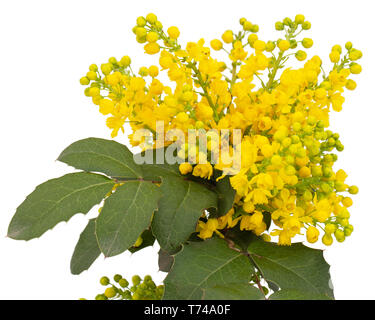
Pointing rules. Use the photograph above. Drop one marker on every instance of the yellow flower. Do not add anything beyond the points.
(185, 168)
(203, 170)
(312, 234)
(173, 32)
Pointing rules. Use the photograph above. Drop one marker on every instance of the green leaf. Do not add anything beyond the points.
(100, 155)
(294, 267)
(148, 240)
(202, 270)
(296, 295)
(225, 196)
(125, 215)
(86, 250)
(57, 200)
(181, 205)
(232, 291)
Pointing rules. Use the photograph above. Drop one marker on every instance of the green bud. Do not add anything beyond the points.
(104, 281)
(306, 25)
(136, 280)
(279, 26)
(123, 283)
(117, 277)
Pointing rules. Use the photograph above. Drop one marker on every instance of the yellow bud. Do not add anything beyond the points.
(327, 239)
(334, 56)
(152, 36)
(152, 48)
(355, 68)
(227, 36)
(284, 45)
(185, 168)
(350, 84)
(259, 45)
(125, 61)
(153, 71)
(312, 234)
(84, 81)
(299, 19)
(151, 18)
(347, 202)
(307, 43)
(173, 32)
(300, 55)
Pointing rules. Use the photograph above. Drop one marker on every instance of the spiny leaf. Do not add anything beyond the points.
(125, 215)
(294, 267)
(86, 250)
(101, 155)
(180, 207)
(203, 269)
(57, 200)
(290, 294)
(232, 291)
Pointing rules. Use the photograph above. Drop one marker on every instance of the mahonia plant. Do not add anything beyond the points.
(225, 223)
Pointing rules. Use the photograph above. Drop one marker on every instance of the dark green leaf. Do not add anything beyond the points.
(182, 203)
(203, 269)
(294, 267)
(86, 250)
(225, 196)
(125, 215)
(57, 200)
(241, 238)
(100, 155)
(180, 207)
(296, 295)
(232, 291)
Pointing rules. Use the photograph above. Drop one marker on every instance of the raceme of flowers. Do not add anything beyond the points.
(287, 152)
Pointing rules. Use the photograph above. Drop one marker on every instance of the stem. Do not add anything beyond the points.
(204, 88)
(274, 70)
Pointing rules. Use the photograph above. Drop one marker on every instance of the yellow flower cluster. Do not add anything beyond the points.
(287, 152)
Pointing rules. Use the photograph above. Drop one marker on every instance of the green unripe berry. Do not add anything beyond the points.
(117, 277)
(136, 280)
(123, 283)
(101, 297)
(110, 292)
(104, 281)
(147, 278)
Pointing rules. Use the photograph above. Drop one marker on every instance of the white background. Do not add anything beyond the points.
(46, 46)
